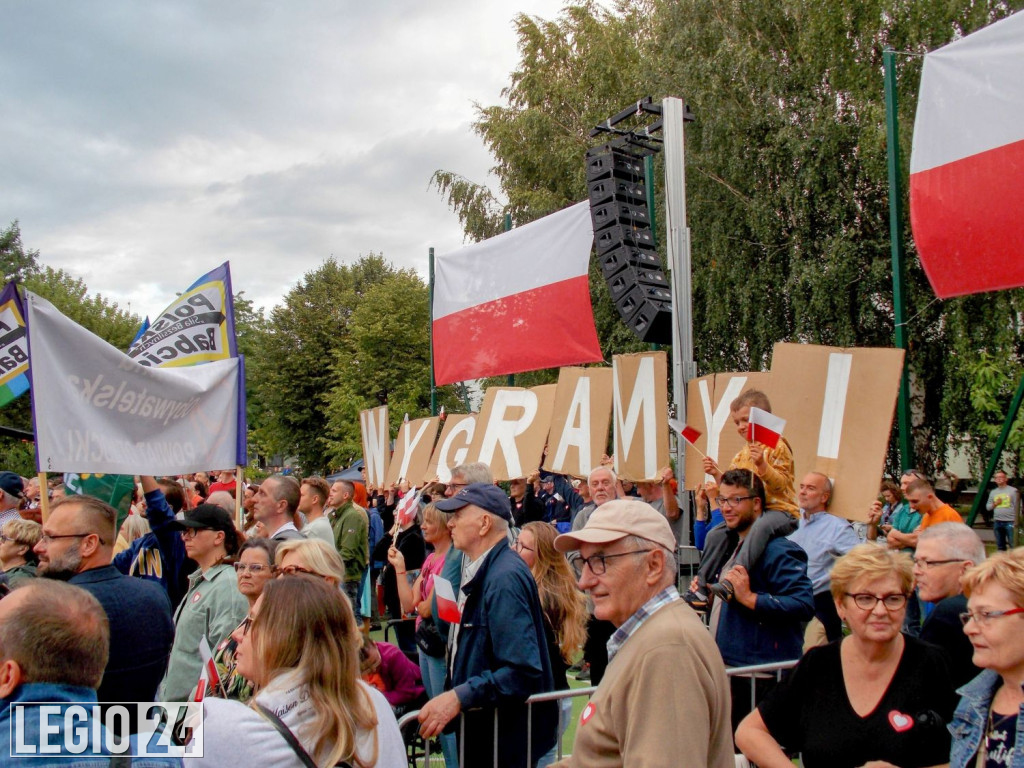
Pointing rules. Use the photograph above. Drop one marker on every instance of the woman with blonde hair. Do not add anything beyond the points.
(564, 606)
(17, 558)
(301, 649)
(987, 725)
(876, 695)
(311, 557)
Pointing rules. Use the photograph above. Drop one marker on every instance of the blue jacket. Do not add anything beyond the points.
(970, 722)
(502, 660)
(35, 693)
(159, 555)
(772, 631)
(141, 632)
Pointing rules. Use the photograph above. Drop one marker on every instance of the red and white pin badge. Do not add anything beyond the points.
(587, 713)
(196, 597)
(900, 722)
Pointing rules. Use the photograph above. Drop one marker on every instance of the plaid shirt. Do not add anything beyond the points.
(634, 622)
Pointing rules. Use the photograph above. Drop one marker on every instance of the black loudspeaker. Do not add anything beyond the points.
(625, 244)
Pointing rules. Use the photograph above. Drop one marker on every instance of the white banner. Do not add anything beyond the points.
(97, 410)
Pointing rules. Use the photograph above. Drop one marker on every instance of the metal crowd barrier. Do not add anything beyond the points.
(757, 670)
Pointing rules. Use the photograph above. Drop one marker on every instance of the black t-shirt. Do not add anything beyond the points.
(1000, 741)
(810, 712)
(943, 628)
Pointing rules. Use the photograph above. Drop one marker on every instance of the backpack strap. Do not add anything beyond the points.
(288, 736)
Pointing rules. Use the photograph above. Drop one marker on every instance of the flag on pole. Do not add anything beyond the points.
(516, 302)
(967, 162)
(765, 428)
(447, 605)
(197, 327)
(208, 675)
(138, 334)
(13, 346)
(408, 507)
(685, 431)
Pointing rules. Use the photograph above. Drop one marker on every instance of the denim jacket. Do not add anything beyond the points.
(971, 719)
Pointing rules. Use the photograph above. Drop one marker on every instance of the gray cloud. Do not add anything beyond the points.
(145, 143)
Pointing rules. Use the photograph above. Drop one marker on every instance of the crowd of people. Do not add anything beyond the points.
(905, 636)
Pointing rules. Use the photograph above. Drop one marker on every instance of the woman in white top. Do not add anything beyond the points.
(301, 648)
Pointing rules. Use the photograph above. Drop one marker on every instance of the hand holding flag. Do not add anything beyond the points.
(764, 427)
(208, 675)
(447, 605)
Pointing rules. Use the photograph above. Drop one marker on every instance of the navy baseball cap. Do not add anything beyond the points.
(12, 483)
(488, 497)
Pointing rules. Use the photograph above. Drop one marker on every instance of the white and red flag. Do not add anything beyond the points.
(447, 605)
(967, 162)
(516, 302)
(765, 428)
(407, 507)
(208, 675)
(685, 431)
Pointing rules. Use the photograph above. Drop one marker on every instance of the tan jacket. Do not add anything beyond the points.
(664, 701)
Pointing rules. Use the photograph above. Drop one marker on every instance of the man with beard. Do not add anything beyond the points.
(77, 546)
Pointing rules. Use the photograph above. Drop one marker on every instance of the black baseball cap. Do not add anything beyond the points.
(488, 497)
(206, 516)
(12, 483)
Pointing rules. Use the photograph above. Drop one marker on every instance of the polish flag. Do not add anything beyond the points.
(765, 428)
(685, 431)
(967, 163)
(208, 675)
(407, 507)
(447, 605)
(516, 302)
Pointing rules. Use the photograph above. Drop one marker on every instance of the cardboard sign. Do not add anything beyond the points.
(453, 447)
(707, 409)
(376, 444)
(839, 406)
(640, 407)
(580, 421)
(413, 446)
(513, 429)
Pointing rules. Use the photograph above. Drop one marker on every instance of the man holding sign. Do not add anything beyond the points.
(499, 656)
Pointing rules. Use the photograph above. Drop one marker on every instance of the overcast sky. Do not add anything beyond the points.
(144, 143)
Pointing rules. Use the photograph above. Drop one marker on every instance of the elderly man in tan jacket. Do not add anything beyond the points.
(664, 700)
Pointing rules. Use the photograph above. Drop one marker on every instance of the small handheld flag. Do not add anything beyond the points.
(688, 433)
(764, 427)
(406, 511)
(447, 605)
(208, 675)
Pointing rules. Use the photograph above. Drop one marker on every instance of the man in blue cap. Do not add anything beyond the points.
(12, 490)
(497, 653)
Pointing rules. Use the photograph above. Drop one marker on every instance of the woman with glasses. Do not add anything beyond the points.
(17, 538)
(988, 726)
(310, 557)
(253, 569)
(565, 610)
(419, 597)
(301, 650)
(876, 697)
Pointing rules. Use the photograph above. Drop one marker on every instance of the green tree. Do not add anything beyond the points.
(15, 261)
(389, 353)
(307, 335)
(786, 171)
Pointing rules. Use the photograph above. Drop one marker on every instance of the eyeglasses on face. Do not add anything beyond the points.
(983, 618)
(46, 538)
(722, 501)
(518, 546)
(598, 563)
(246, 624)
(867, 602)
(4, 539)
(926, 565)
(254, 568)
(295, 570)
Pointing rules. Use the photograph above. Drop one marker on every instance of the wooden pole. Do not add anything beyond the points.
(44, 497)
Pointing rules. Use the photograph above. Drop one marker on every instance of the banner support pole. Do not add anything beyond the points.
(433, 384)
(678, 251)
(239, 470)
(44, 498)
(892, 136)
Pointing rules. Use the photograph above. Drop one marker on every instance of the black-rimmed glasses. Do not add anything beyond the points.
(598, 563)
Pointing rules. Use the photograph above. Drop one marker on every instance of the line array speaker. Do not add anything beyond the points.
(629, 262)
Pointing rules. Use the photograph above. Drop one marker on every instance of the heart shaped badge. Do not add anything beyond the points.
(900, 722)
(587, 712)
